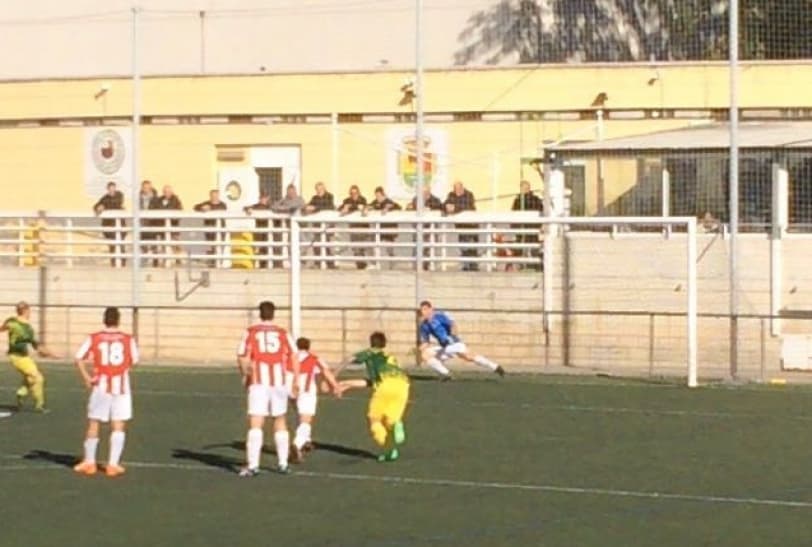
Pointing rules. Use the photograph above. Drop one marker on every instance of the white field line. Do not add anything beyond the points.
(497, 404)
(481, 485)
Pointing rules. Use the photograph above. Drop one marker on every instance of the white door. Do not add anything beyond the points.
(239, 188)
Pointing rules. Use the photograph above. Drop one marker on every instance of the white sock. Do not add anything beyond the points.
(282, 441)
(253, 447)
(438, 366)
(302, 435)
(90, 449)
(116, 446)
(483, 361)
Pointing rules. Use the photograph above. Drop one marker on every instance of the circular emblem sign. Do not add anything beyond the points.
(233, 190)
(108, 151)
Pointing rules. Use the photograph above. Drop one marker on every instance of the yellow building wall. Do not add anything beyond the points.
(44, 166)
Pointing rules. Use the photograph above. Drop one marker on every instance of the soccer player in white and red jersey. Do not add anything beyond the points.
(112, 353)
(264, 354)
(310, 368)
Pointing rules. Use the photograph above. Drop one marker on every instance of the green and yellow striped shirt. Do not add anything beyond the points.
(20, 336)
(379, 364)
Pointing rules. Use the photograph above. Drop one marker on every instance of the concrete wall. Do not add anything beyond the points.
(595, 279)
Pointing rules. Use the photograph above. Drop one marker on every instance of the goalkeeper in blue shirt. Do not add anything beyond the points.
(439, 325)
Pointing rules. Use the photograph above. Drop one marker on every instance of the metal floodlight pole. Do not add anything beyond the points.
(734, 184)
(202, 15)
(136, 199)
(419, 130)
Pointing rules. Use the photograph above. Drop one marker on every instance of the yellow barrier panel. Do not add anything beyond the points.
(241, 251)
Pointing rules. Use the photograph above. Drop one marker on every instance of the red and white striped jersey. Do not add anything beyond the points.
(310, 366)
(269, 348)
(113, 353)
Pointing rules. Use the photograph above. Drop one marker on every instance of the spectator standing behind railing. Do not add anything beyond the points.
(528, 201)
(211, 204)
(430, 203)
(167, 201)
(288, 205)
(355, 202)
(261, 224)
(145, 197)
(322, 201)
(459, 200)
(383, 204)
(112, 200)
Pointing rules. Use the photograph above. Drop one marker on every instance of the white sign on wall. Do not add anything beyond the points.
(108, 158)
(401, 162)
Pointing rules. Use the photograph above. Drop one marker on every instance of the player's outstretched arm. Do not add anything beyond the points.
(330, 378)
(42, 351)
(346, 385)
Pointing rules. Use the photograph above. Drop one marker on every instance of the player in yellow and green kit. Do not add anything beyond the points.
(20, 337)
(389, 397)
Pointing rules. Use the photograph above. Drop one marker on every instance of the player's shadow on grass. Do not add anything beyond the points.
(327, 447)
(207, 458)
(66, 460)
(9, 408)
(240, 446)
(345, 450)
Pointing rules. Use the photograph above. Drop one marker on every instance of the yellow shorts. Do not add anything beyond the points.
(389, 400)
(24, 364)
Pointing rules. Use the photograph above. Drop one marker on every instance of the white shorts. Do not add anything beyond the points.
(449, 351)
(267, 400)
(306, 403)
(103, 406)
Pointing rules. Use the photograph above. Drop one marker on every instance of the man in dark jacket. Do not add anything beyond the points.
(322, 201)
(383, 204)
(261, 235)
(528, 201)
(112, 200)
(212, 204)
(355, 202)
(430, 203)
(459, 200)
(167, 201)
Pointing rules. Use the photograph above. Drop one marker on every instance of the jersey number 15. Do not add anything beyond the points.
(268, 341)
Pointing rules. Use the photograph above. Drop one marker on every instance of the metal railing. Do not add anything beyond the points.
(262, 240)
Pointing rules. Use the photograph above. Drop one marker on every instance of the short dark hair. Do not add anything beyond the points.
(112, 317)
(377, 340)
(303, 343)
(21, 307)
(111, 183)
(379, 189)
(426, 303)
(266, 310)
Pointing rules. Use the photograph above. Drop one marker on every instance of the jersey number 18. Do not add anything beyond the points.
(112, 353)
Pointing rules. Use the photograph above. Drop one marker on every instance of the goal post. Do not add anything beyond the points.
(556, 228)
(545, 294)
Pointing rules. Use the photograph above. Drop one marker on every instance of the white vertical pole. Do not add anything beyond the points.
(734, 183)
(135, 263)
(295, 277)
(419, 130)
(547, 258)
(780, 218)
(202, 14)
(494, 180)
(692, 304)
(335, 151)
(666, 191)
